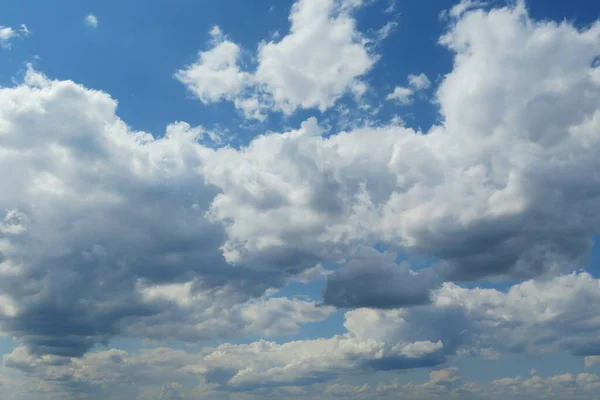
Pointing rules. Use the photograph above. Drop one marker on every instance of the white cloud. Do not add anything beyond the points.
(202, 314)
(404, 95)
(531, 317)
(472, 192)
(391, 7)
(180, 373)
(401, 94)
(387, 30)
(131, 209)
(24, 30)
(107, 231)
(216, 75)
(419, 82)
(322, 57)
(317, 60)
(8, 34)
(91, 20)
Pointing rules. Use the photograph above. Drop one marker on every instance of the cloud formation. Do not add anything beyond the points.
(7, 34)
(404, 95)
(108, 232)
(102, 224)
(91, 21)
(322, 57)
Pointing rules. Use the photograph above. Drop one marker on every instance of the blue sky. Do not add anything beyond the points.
(299, 198)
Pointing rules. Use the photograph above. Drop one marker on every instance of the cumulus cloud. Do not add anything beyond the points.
(322, 57)
(404, 95)
(107, 231)
(497, 189)
(216, 75)
(102, 225)
(91, 21)
(6, 34)
(531, 317)
(401, 94)
(419, 82)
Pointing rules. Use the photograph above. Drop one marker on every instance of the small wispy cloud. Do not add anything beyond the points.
(386, 30)
(91, 20)
(7, 34)
(391, 8)
(24, 30)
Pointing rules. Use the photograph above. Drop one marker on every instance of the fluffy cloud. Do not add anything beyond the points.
(531, 317)
(404, 95)
(401, 94)
(321, 58)
(6, 34)
(104, 231)
(499, 189)
(91, 21)
(216, 75)
(419, 82)
(107, 231)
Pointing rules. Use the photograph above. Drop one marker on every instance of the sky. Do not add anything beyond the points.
(299, 199)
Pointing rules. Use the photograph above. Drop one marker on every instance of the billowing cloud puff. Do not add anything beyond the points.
(499, 189)
(322, 57)
(532, 317)
(101, 224)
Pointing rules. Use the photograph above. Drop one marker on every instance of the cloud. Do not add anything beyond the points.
(532, 317)
(498, 190)
(157, 370)
(391, 7)
(322, 57)
(401, 94)
(8, 34)
(590, 361)
(91, 21)
(102, 224)
(419, 82)
(462, 7)
(216, 75)
(447, 383)
(24, 30)
(106, 231)
(374, 280)
(387, 29)
(404, 95)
